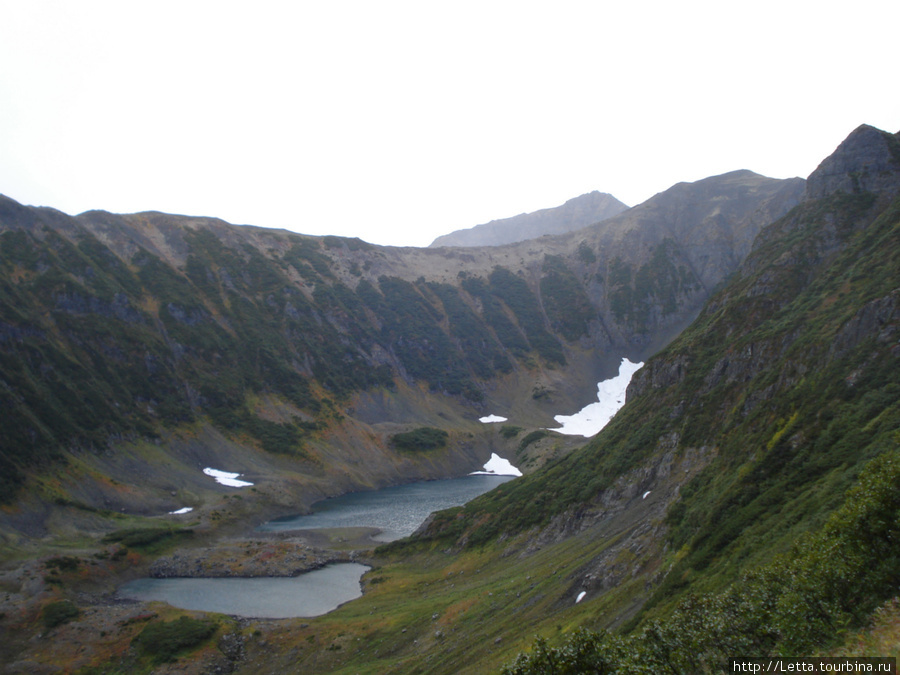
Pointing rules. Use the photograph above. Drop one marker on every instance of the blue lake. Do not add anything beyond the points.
(396, 511)
(307, 595)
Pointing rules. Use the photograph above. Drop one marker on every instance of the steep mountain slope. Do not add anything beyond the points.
(738, 450)
(575, 214)
(194, 336)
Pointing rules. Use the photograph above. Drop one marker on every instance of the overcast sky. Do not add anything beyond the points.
(397, 122)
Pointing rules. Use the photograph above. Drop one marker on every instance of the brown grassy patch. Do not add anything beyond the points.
(881, 638)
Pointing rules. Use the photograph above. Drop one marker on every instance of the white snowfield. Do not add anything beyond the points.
(491, 418)
(186, 509)
(225, 478)
(610, 398)
(497, 466)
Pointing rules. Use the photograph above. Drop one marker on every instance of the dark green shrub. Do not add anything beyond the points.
(147, 539)
(58, 613)
(567, 305)
(506, 331)
(509, 431)
(166, 640)
(285, 439)
(586, 254)
(352, 243)
(482, 351)
(514, 291)
(423, 438)
(64, 563)
(533, 437)
(412, 325)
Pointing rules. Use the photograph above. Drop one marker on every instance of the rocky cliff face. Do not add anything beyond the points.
(867, 161)
(575, 214)
(714, 220)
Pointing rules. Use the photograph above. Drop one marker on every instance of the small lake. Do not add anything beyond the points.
(396, 511)
(310, 594)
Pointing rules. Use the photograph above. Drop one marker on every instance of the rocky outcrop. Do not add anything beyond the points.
(867, 161)
(878, 318)
(575, 214)
(284, 557)
(714, 220)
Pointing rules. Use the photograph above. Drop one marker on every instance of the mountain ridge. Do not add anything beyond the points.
(574, 214)
(866, 161)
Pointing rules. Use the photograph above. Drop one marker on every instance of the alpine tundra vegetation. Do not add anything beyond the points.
(168, 383)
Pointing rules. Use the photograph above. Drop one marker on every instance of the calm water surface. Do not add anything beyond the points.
(310, 594)
(396, 511)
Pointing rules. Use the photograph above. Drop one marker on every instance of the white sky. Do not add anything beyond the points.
(400, 121)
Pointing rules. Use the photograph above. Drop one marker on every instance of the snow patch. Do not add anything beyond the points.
(225, 478)
(610, 398)
(491, 418)
(580, 597)
(186, 509)
(645, 494)
(497, 466)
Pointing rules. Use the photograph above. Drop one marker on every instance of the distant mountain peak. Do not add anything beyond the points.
(868, 160)
(575, 214)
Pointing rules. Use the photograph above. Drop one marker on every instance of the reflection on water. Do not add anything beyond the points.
(310, 594)
(396, 511)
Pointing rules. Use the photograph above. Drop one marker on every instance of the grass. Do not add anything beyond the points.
(881, 636)
(460, 613)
